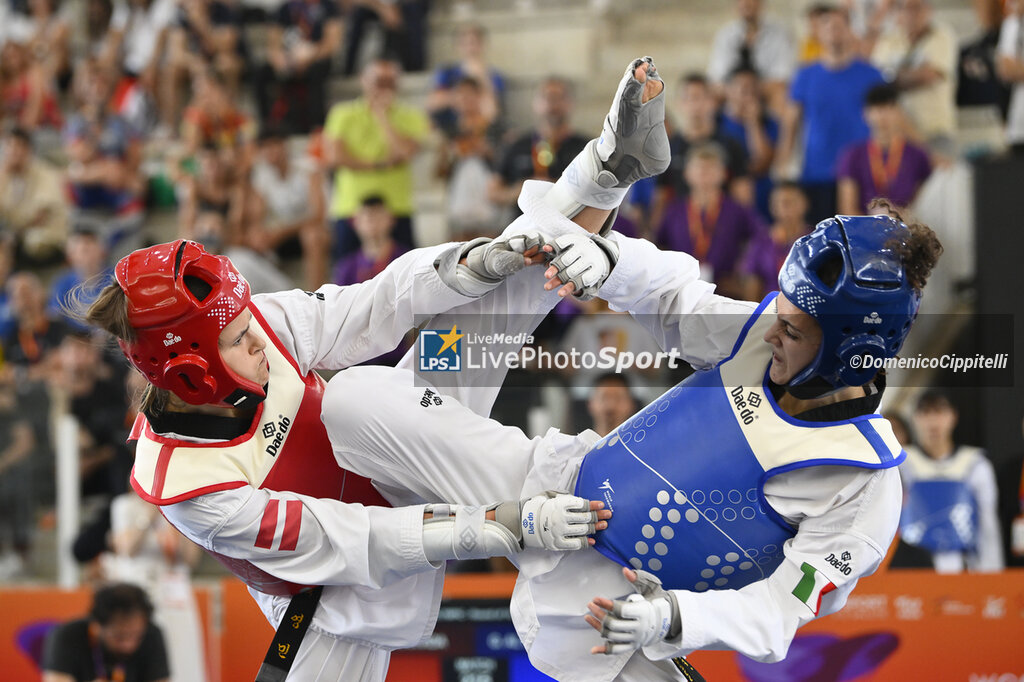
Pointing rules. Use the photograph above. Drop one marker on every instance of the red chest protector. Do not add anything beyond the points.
(285, 449)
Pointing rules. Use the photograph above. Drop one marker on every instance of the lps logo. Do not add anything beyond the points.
(440, 351)
(171, 339)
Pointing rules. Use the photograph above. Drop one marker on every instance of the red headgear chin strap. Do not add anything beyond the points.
(176, 332)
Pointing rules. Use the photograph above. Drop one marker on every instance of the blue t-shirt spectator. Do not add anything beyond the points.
(833, 104)
(61, 291)
(734, 128)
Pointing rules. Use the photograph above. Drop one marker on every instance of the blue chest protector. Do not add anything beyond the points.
(685, 475)
(940, 513)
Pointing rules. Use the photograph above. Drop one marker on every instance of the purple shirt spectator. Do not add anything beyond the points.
(357, 267)
(733, 229)
(914, 168)
(764, 259)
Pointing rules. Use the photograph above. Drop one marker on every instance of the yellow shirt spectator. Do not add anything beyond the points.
(354, 124)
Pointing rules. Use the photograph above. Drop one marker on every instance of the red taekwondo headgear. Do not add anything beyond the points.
(176, 330)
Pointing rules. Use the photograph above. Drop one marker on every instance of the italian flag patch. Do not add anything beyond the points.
(812, 587)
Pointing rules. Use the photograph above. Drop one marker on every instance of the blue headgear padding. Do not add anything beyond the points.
(869, 308)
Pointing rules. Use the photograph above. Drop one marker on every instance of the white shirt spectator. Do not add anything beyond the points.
(1011, 44)
(287, 197)
(773, 53)
(932, 108)
(142, 28)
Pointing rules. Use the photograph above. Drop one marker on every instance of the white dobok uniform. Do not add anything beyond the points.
(428, 451)
(273, 505)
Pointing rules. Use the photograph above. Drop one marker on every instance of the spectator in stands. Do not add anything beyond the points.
(96, 20)
(373, 224)
(768, 250)
(598, 329)
(26, 461)
(213, 118)
(210, 202)
(900, 428)
(7, 322)
(887, 164)
(19, 447)
(207, 34)
(471, 43)
(87, 273)
(610, 403)
(104, 149)
(217, 207)
(826, 101)
(810, 46)
(28, 348)
(404, 24)
(117, 641)
(977, 80)
(465, 158)
(92, 380)
(286, 208)
(136, 42)
(950, 500)
(27, 98)
(707, 223)
(33, 210)
(370, 142)
(291, 85)
(47, 33)
(544, 152)
(743, 118)
(151, 553)
(1010, 66)
(754, 42)
(697, 107)
(920, 58)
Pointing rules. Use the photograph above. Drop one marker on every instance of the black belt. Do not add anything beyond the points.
(285, 645)
(687, 670)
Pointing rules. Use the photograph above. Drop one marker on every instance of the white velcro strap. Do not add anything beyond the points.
(469, 530)
(579, 185)
(467, 534)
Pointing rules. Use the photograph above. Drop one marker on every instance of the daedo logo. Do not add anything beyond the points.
(278, 432)
(843, 566)
(171, 339)
(745, 404)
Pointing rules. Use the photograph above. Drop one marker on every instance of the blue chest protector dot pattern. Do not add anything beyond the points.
(685, 476)
(695, 515)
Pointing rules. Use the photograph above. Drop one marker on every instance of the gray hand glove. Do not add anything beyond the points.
(638, 620)
(488, 262)
(633, 143)
(584, 260)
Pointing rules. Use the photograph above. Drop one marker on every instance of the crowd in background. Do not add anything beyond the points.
(112, 113)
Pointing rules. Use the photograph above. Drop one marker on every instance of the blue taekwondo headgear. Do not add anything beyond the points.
(870, 307)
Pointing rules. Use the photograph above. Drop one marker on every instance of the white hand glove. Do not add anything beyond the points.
(641, 619)
(556, 521)
(584, 260)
